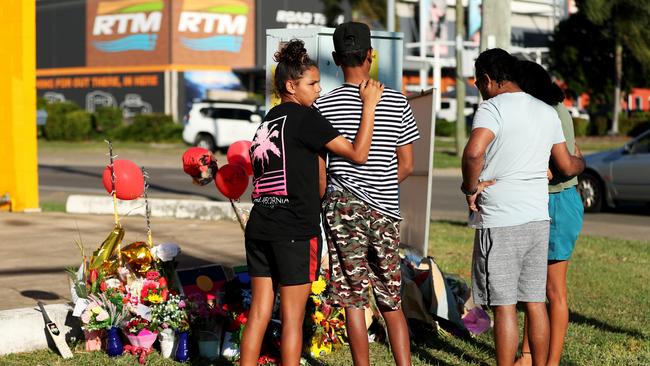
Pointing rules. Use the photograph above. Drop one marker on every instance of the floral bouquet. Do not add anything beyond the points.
(100, 314)
(154, 289)
(139, 332)
(324, 324)
(171, 314)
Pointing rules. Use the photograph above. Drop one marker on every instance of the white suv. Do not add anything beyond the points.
(215, 125)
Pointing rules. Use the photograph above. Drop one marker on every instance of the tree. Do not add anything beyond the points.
(371, 11)
(627, 23)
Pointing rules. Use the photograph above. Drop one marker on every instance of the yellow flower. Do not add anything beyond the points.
(317, 287)
(316, 300)
(154, 298)
(96, 310)
(318, 351)
(318, 316)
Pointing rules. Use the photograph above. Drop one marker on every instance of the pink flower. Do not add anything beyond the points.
(85, 317)
(103, 315)
(181, 304)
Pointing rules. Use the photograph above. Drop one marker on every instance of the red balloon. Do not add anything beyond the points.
(231, 180)
(129, 182)
(239, 153)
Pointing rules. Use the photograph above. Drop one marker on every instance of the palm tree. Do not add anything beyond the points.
(629, 24)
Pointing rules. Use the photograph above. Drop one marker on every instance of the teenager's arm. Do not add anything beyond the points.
(566, 163)
(404, 162)
(357, 152)
(322, 175)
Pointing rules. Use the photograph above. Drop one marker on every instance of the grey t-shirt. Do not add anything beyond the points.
(559, 182)
(525, 130)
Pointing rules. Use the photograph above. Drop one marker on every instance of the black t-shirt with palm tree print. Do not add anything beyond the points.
(284, 154)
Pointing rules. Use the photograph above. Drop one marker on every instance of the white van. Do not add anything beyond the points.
(215, 125)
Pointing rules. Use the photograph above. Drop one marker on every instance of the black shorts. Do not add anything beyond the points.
(289, 262)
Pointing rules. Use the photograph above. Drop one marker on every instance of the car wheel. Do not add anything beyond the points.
(205, 141)
(591, 192)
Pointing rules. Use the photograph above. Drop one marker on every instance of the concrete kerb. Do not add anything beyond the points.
(176, 208)
(24, 329)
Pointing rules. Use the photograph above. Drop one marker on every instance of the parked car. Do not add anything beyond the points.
(448, 108)
(215, 125)
(617, 175)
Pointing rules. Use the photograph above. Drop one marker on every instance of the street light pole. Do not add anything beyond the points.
(495, 24)
(460, 80)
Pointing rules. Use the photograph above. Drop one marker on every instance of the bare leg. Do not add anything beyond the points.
(538, 331)
(292, 305)
(398, 334)
(355, 320)
(258, 319)
(559, 310)
(506, 334)
(525, 359)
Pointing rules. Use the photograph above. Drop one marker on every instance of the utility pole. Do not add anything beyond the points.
(390, 15)
(460, 80)
(495, 24)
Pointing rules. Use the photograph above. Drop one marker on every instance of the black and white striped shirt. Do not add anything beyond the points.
(374, 182)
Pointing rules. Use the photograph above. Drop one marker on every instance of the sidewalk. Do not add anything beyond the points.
(36, 248)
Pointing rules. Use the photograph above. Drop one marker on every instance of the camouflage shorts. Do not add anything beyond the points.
(363, 248)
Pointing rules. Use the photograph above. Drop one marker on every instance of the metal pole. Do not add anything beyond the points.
(424, 68)
(390, 15)
(460, 80)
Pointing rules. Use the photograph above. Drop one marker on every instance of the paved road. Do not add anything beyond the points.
(56, 181)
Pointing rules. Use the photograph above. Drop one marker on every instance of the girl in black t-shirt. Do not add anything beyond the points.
(283, 238)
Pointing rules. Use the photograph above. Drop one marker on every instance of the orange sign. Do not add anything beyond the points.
(214, 32)
(127, 32)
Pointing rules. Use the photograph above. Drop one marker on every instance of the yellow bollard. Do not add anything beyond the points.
(18, 143)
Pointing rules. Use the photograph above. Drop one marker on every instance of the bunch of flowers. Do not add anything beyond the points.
(136, 324)
(101, 313)
(154, 289)
(171, 314)
(204, 312)
(324, 323)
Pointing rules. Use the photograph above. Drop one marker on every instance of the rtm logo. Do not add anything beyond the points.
(140, 19)
(225, 18)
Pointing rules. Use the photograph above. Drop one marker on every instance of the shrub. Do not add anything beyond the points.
(55, 125)
(154, 127)
(599, 125)
(106, 119)
(445, 128)
(634, 124)
(78, 125)
(580, 126)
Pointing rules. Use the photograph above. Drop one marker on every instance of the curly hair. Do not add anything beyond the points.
(292, 61)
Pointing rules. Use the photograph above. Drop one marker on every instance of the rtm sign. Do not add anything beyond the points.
(214, 25)
(127, 25)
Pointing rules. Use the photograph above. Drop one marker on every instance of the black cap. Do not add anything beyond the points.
(351, 36)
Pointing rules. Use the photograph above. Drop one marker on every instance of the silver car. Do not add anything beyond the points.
(617, 175)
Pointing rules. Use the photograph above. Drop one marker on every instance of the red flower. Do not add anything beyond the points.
(163, 282)
(164, 294)
(103, 286)
(153, 275)
(93, 275)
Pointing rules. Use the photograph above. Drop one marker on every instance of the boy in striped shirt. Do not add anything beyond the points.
(361, 206)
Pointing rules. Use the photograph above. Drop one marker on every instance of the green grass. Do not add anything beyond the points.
(608, 301)
(96, 145)
(53, 206)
